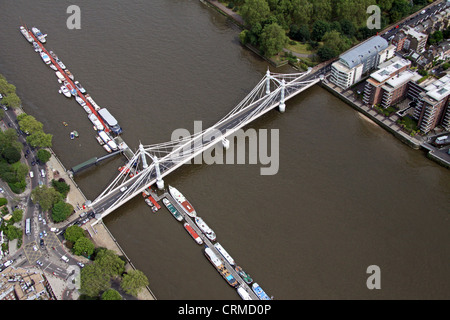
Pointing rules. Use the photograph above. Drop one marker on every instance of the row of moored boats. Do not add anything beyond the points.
(216, 261)
(71, 88)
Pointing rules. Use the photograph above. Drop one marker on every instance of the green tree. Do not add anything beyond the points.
(133, 282)
(93, 280)
(83, 246)
(319, 29)
(325, 53)
(43, 155)
(40, 140)
(46, 197)
(17, 215)
(29, 124)
(73, 233)
(13, 232)
(273, 39)
(11, 154)
(61, 211)
(334, 40)
(109, 262)
(111, 294)
(302, 12)
(12, 101)
(255, 11)
(61, 186)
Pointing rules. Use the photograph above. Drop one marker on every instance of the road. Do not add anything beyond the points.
(49, 254)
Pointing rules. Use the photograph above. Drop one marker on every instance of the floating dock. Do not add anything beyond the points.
(206, 241)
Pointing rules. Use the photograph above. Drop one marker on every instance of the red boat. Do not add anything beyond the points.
(156, 204)
(193, 234)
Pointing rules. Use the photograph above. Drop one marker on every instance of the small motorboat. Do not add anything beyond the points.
(65, 91)
(107, 148)
(52, 66)
(26, 34)
(75, 133)
(37, 47)
(69, 74)
(65, 124)
(54, 56)
(45, 58)
(59, 62)
(80, 87)
(80, 101)
(71, 88)
(72, 135)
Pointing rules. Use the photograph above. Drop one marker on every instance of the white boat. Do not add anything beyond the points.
(38, 34)
(65, 91)
(205, 228)
(37, 47)
(80, 87)
(60, 76)
(26, 34)
(45, 57)
(54, 56)
(243, 294)
(112, 144)
(69, 74)
(52, 66)
(87, 109)
(59, 62)
(97, 123)
(99, 140)
(104, 136)
(186, 205)
(105, 146)
(92, 102)
(80, 101)
(224, 253)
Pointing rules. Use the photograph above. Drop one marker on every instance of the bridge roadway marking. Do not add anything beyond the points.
(205, 239)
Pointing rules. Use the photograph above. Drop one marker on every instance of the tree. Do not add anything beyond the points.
(273, 39)
(29, 124)
(326, 53)
(301, 33)
(11, 154)
(73, 233)
(319, 29)
(40, 139)
(334, 40)
(254, 11)
(43, 155)
(45, 196)
(93, 280)
(133, 282)
(17, 215)
(61, 210)
(111, 294)
(12, 101)
(61, 186)
(83, 246)
(109, 262)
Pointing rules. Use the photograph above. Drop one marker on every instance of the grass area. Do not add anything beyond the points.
(409, 125)
(298, 47)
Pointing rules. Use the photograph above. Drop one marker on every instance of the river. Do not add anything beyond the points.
(347, 195)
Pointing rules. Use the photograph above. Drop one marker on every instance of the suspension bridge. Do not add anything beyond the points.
(151, 163)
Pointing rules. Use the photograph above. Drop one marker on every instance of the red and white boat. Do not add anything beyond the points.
(187, 207)
(193, 234)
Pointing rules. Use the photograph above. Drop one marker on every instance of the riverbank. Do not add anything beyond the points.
(388, 123)
(99, 234)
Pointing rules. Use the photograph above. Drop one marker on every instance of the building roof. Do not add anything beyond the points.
(386, 72)
(362, 52)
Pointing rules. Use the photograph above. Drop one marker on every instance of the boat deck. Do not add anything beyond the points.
(160, 195)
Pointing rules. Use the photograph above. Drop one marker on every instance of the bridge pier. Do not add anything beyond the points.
(225, 143)
(282, 106)
(268, 81)
(144, 160)
(159, 180)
